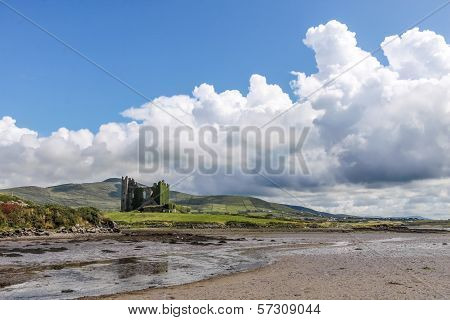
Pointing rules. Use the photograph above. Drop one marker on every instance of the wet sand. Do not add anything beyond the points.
(229, 264)
(72, 267)
(372, 266)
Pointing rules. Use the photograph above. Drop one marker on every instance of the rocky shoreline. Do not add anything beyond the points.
(110, 227)
(113, 228)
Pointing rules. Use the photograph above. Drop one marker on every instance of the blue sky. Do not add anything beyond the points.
(166, 48)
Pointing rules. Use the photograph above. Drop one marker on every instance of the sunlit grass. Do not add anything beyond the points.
(253, 219)
(137, 218)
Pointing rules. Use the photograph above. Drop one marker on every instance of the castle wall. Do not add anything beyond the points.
(133, 195)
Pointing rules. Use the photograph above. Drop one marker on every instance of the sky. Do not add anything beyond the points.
(380, 136)
(167, 48)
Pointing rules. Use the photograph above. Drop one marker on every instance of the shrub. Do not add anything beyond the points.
(6, 198)
(61, 216)
(3, 219)
(182, 209)
(91, 215)
(15, 214)
(8, 208)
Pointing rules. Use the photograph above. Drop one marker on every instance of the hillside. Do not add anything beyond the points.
(105, 195)
(102, 195)
(235, 204)
(321, 214)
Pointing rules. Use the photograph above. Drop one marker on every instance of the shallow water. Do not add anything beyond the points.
(67, 269)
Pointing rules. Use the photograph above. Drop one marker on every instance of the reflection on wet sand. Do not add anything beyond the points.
(132, 266)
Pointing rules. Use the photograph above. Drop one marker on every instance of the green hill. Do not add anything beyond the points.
(106, 196)
(102, 195)
(221, 204)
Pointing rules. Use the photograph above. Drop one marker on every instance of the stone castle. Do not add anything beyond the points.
(136, 196)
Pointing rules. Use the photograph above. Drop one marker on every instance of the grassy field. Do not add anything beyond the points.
(252, 220)
(137, 219)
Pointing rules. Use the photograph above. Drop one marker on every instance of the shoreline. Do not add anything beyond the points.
(53, 235)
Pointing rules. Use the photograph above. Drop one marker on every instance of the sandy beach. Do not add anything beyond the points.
(372, 266)
(227, 264)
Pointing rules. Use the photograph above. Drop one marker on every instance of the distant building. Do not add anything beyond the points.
(135, 196)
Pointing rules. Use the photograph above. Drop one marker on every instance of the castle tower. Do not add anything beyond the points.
(160, 193)
(124, 194)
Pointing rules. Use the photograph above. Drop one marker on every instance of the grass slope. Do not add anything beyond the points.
(102, 195)
(225, 204)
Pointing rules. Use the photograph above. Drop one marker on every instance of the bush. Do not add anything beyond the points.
(6, 198)
(37, 218)
(61, 216)
(14, 214)
(182, 209)
(9, 198)
(241, 224)
(91, 215)
(3, 219)
(8, 208)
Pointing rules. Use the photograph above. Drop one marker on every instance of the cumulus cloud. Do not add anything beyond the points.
(381, 123)
(418, 54)
(371, 125)
(11, 134)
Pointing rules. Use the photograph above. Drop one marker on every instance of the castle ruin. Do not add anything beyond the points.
(136, 196)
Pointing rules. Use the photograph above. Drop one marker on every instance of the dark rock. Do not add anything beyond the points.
(108, 251)
(67, 291)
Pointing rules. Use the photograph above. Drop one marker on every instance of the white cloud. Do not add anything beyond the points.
(11, 134)
(418, 54)
(82, 138)
(373, 124)
(379, 125)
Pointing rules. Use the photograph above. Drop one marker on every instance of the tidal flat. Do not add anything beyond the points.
(226, 264)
